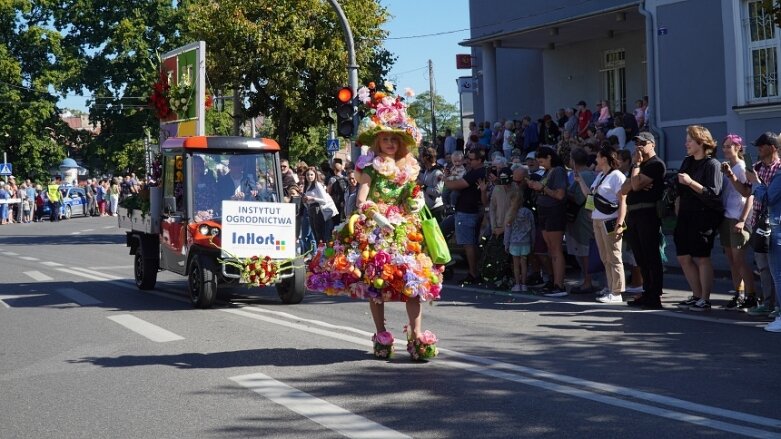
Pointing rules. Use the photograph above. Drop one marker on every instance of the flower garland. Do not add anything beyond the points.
(257, 271)
(387, 167)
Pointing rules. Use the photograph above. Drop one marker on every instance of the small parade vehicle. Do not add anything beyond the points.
(217, 216)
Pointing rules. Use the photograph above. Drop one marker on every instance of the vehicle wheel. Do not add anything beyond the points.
(68, 212)
(202, 282)
(145, 270)
(291, 290)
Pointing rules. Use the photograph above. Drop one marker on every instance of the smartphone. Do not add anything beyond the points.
(749, 162)
(610, 225)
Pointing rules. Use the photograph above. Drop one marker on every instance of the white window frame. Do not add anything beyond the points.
(749, 48)
(614, 67)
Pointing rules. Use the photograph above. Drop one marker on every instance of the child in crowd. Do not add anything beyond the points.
(519, 232)
(456, 171)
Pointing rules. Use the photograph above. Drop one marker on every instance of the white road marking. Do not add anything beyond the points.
(89, 274)
(10, 254)
(324, 413)
(110, 227)
(4, 297)
(78, 297)
(88, 230)
(37, 275)
(113, 267)
(148, 330)
(75, 233)
(51, 264)
(486, 366)
(28, 258)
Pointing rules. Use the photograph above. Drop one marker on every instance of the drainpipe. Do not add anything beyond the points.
(650, 56)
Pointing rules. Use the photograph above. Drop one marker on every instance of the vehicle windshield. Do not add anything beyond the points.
(230, 176)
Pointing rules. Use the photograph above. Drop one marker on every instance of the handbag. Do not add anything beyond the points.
(760, 236)
(436, 245)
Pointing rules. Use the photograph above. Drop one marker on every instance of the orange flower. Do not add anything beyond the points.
(388, 271)
(379, 95)
(341, 263)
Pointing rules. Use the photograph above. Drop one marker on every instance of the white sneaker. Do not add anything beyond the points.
(634, 289)
(610, 298)
(516, 288)
(774, 326)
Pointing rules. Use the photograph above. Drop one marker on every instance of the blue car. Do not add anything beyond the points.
(74, 202)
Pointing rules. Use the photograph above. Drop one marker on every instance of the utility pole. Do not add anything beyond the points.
(432, 93)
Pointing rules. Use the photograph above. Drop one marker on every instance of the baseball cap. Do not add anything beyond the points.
(768, 138)
(645, 136)
(532, 155)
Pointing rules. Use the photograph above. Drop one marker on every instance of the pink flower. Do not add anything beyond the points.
(381, 258)
(427, 337)
(384, 338)
(409, 92)
(363, 95)
(390, 115)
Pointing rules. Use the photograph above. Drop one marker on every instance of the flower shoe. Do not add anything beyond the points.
(422, 348)
(383, 345)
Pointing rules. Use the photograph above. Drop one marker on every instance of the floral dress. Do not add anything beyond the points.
(378, 253)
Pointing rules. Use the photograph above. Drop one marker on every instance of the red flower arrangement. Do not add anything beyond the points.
(159, 97)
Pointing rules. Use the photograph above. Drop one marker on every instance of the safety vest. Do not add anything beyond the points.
(53, 191)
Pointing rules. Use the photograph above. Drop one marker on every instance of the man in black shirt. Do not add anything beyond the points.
(644, 188)
(468, 211)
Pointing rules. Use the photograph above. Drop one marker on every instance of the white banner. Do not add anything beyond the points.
(467, 85)
(252, 228)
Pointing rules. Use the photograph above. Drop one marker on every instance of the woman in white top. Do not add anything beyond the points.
(608, 218)
(320, 205)
(733, 232)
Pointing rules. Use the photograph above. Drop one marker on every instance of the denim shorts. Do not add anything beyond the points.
(466, 228)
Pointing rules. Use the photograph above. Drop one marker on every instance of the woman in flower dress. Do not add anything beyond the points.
(378, 253)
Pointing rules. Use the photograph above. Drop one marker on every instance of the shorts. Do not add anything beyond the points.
(730, 238)
(552, 219)
(466, 228)
(695, 233)
(520, 250)
(539, 243)
(576, 248)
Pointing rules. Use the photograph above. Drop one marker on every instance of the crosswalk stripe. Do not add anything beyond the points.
(4, 297)
(324, 413)
(146, 329)
(51, 264)
(78, 297)
(37, 275)
(28, 258)
(86, 273)
(10, 254)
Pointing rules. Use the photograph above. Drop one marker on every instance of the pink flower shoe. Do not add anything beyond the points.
(424, 347)
(383, 345)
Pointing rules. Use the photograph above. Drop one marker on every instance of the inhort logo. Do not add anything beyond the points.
(280, 245)
(252, 239)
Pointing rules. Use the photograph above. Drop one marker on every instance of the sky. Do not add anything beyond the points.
(411, 18)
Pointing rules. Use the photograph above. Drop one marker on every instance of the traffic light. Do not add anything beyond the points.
(345, 112)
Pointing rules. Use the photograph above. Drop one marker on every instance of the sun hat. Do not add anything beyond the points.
(386, 113)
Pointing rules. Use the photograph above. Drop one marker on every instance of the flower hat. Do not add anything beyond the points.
(386, 112)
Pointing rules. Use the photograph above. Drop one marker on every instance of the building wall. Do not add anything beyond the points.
(573, 72)
(520, 80)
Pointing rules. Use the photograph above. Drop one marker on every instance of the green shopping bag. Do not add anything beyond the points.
(436, 246)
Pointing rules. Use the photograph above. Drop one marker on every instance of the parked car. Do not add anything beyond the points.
(74, 202)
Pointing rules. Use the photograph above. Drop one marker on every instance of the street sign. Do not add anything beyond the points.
(332, 145)
(6, 168)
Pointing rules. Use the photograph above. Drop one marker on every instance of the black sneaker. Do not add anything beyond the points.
(732, 305)
(534, 280)
(747, 303)
(700, 305)
(554, 291)
(688, 302)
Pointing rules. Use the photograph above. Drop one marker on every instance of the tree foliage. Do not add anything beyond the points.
(290, 53)
(445, 114)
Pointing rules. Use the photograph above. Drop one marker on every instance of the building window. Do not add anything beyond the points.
(762, 48)
(614, 71)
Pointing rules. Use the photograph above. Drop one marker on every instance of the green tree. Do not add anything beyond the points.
(291, 53)
(445, 114)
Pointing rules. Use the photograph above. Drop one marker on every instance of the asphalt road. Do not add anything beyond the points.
(85, 354)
